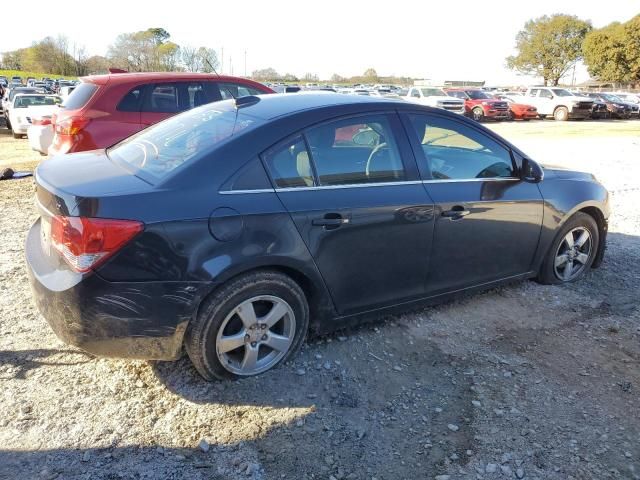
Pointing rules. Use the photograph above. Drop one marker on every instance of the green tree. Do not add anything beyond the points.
(549, 46)
(265, 74)
(612, 53)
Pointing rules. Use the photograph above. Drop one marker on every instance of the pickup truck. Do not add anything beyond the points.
(479, 104)
(559, 103)
(434, 97)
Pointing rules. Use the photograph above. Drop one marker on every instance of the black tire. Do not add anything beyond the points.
(547, 274)
(17, 135)
(561, 114)
(200, 338)
(477, 114)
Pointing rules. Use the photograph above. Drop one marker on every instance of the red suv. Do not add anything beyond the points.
(480, 105)
(105, 109)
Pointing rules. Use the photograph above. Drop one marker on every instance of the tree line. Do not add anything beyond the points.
(369, 76)
(148, 50)
(550, 46)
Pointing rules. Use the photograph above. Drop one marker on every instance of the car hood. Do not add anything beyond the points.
(446, 98)
(567, 174)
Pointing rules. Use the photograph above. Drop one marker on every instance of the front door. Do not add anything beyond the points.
(488, 221)
(353, 191)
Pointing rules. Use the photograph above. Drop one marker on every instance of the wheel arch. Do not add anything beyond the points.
(321, 307)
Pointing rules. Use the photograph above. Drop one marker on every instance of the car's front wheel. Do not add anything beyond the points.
(248, 326)
(561, 114)
(572, 252)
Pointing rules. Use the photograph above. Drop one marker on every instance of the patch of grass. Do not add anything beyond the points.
(36, 75)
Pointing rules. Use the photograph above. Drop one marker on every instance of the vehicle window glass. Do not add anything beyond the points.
(163, 99)
(546, 94)
(456, 151)
(80, 96)
(23, 101)
(457, 94)
(236, 90)
(158, 150)
(534, 92)
(251, 176)
(415, 93)
(289, 164)
(356, 150)
(131, 101)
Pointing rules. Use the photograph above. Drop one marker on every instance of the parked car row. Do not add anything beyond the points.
(101, 110)
(105, 109)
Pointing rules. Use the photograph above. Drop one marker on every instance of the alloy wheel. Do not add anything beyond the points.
(573, 254)
(255, 335)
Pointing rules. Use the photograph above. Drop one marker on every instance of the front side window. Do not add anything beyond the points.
(355, 150)
(455, 151)
(236, 90)
(457, 94)
(546, 94)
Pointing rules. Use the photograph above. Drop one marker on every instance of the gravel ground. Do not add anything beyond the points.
(525, 381)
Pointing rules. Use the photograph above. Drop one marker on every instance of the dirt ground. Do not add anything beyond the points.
(525, 381)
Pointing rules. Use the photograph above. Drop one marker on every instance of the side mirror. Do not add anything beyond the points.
(531, 171)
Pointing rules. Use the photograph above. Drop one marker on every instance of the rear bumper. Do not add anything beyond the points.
(145, 320)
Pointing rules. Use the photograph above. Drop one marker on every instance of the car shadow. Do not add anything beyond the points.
(20, 362)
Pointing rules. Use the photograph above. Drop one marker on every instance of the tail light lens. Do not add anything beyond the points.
(85, 242)
(41, 121)
(71, 126)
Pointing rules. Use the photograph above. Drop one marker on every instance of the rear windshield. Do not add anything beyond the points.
(80, 96)
(157, 151)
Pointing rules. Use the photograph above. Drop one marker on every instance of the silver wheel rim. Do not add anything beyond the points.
(477, 114)
(573, 254)
(255, 335)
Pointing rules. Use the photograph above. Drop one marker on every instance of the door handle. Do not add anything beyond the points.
(456, 212)
(330, 221)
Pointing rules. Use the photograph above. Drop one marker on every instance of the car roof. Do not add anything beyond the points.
(120, 78)
(279, 104)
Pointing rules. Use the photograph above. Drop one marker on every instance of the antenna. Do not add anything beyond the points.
(217, 74)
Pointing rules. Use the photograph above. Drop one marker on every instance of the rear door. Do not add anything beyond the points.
(488, 220)
(352, 188)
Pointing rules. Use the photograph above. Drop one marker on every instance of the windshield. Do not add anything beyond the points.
(162, 148)
(561, 92)
(477, 95)
(433, 92)
(24, 101)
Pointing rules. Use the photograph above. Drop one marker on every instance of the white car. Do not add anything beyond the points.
(26, 106)
(40, 134)
(435, 97)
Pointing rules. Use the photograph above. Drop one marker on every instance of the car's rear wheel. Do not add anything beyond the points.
(477, 114)
(572, 252)
(249, 326)
(561, 114)
(17, 135)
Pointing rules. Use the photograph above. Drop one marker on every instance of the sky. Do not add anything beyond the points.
(446, 40)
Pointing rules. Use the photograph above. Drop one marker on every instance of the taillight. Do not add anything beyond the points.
(71, 126)
(87, 242)
(41, 121)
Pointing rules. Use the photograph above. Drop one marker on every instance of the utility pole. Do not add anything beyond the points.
(245, 62)
(222, 60)
(231, 64)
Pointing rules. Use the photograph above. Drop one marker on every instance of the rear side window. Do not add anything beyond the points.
(132, 101)
(289, 164)
(80, 96)
(163, 98)
(356, 150)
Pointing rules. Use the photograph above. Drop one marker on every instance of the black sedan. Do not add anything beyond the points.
(236, 227)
